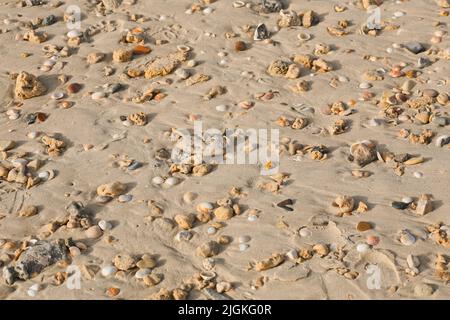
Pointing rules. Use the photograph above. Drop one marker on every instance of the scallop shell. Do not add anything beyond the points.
(205, 207)
(141, 273)
(57, 95)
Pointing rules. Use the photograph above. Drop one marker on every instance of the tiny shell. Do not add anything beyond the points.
(372, 240)
(407, 238)
(238, 4)
(362, 247)
(205, 207)
(207, 10)
(74, 33)
(183, 48)
(305, 232)
(221, 108)
(57, 95)
(417, 174)
(141, 273)
(413, 161)
(97, 95)
(104, 225)
(125, 198)
(365, 85)
(108, 271)
(442, 140)
(157, 180)
(211, 230)
(171, 181)
(189, 196)
(303, 36)
(244, 239)
(292, 254)
(208, 275)
(243, 247)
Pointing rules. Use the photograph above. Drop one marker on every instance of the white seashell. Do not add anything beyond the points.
(36, 287)
(238, 4)
(182, 74)
(211, 230)
(303, 36)
(49, 63)
(32, 134)
(362, 247)
(412, 261)
(125, 198)
(31, 293)
(244, 239)
(44, 175)
(407, 238)
(243, 247)
(442, 140)
(104, 225)
(191, 63)
(97, 95)
(252, 218)
(208, 275)
(141, 273)
(74, 33)
(205, 207)
(365, 85)
(221, 108)
(417, 174)
(57, 95)
(207, 10)
(183, 48)
(305, 232)
(292, 254)
(188, 11)
(157, 180)
(397, 45)
(407, 199)
(108, 271)
(171, 181)
(343, 79)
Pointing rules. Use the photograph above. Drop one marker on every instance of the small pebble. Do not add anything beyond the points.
(125, 198)
(108, 271)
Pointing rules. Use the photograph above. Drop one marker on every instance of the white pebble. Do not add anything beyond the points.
(97, 95)
(74, 33)
(211, 230)
(221, 108)
(418, 174)
(171, 181)
(43, 175)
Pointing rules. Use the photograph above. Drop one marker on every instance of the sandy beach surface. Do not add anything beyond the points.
(92, 206)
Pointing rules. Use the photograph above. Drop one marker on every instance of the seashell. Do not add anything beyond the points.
(57, 95)
(182, 74)
(141, 273)
(94, 232)
(97, 95)
(221, 108)
(103, 199)
(211, 230)
(189, 196)
(365, 85)
(171, 181)
(73, 88)
(208, 275)
(252, 217)
(243, 246)
(399, 14)
(183, 48)
(442, 140)
(238, 4)
(417, 174)
(125, 198)
(302, 36)
(261, 32)
(105, 225)
(207, 10)
(19, 162)
(32, 134)
(407, 200)
(74, 33)
(74, 251)
(191, 63)
(362, 247)
(205, 207)
(183, 236)
(413, 161)
(372, 240)
(373, 123)
(209, 263)
(108, 271)
(46, 175)
(157, 180)
(246, 104)
(399, 205)
(49, 63)
(244, 239)
(223, 286)
(412, 261)
(407, 238)
(292, 254)
(305, 232)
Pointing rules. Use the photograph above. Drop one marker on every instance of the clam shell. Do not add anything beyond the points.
(304, 232)
(74, 33)
(303, 36)
(57, 95)
(362, 247)
(108, 271)
(238, 4)
(157, 180)
(205, 207)
(171, 181)
(97, 95)
(407, 238)
(183, 48)
(141, 273)
(104, 225)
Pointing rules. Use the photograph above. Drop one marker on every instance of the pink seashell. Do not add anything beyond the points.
(373, 240)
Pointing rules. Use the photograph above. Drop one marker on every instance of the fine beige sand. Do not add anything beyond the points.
(320, 262)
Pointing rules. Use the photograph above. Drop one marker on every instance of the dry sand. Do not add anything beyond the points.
(313, 185)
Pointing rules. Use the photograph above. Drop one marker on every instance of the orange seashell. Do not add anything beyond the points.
(373, 240)
(139, 49)
(137, 30)
(160, 96)
(41, 116)
(112, 292)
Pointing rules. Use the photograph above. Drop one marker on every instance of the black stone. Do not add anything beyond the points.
(399, 205)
